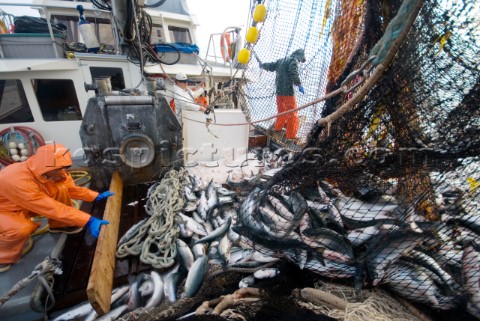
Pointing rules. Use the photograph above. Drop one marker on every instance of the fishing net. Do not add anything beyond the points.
(375, 305)
(384, 191)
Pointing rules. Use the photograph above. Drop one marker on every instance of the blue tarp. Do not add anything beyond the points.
(181, 46)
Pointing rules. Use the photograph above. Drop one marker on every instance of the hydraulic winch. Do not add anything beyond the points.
(138, 136)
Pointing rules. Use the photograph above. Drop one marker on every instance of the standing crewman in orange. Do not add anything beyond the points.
(287, 76)
(41, 186)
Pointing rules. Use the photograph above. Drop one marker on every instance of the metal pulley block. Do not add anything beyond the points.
(137, 150)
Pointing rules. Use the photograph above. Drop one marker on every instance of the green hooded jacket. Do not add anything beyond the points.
(287, 72)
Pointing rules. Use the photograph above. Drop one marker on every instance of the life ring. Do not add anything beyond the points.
(3, 27)
(226, 42)
(172, 106)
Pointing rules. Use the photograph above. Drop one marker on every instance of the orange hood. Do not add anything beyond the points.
(49, 157)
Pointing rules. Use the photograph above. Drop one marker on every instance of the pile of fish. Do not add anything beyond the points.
(146, 289)
(205, 237)
(380, 242)
(240, 224)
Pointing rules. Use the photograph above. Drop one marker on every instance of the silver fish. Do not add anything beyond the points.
(246, 214)
(212, 196)
(246, 282)
(381, 253)
(146, 288)
(297, 256)
(427, 261)
(323, 196)
(359, 236)
(191, 206)
(358, 210)
(471, 271)
(91, 316)
(192, 225)
(133, 293)
(198, 250)
(259, 257)
(185, 254)
(119, 296)
(203, 205)
(76, 312)
(411, 283)
(114, 314)
(330, 239)
(265, 273)
(189, 194)
(225, 192)
(240, 255)
(222, 200)
(196, 183)
(233, 236)
(195, 277)
(158, 292)
(170, 279)
(335, 214)
(281, 208)
(331, 269)
(449, 254)
(317, 206)
(219, 220)
(224, 248)
(184, 232)
(217, 233)
(197, 218)
(471, 221)
(270, 173)
(274, 221)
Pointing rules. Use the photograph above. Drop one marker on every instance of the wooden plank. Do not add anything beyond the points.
(99, 289)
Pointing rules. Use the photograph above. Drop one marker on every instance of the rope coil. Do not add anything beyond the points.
(154, 240)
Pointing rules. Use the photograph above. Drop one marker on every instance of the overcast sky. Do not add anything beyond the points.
(216, 15)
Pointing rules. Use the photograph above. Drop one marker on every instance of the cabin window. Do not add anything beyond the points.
(178, 34)
(14, 106)
(157, 35)
(57, 99)
(102, 27)
(115, 74)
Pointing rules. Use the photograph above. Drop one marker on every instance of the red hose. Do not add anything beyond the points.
(28, 134)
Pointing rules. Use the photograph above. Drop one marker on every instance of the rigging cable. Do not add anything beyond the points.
(381, 56)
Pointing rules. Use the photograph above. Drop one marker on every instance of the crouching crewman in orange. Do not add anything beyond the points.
(41, 186)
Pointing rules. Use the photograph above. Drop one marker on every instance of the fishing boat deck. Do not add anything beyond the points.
(76, 253)
(79, 250)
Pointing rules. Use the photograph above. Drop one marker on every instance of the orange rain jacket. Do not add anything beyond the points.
(25, 193)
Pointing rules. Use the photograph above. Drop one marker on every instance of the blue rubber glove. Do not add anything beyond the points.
(300, 89)
(94, 225)
(104, 195)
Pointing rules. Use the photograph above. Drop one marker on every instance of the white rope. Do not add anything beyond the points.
(155, 240)
(48, 266)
